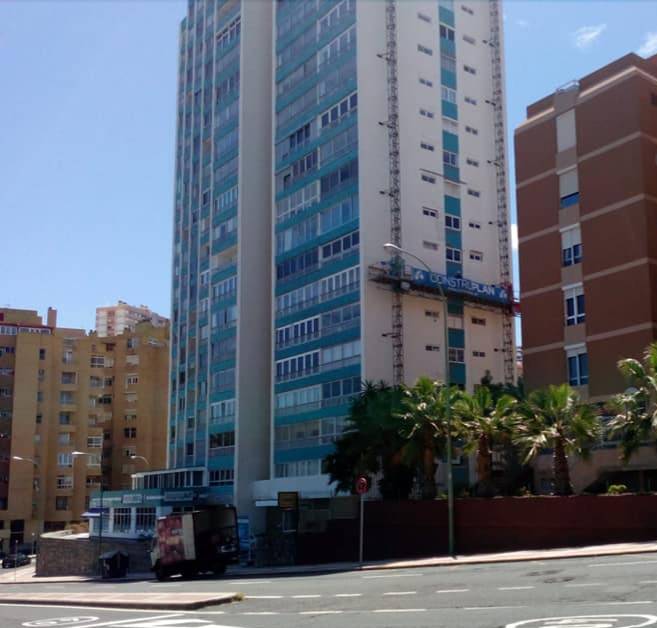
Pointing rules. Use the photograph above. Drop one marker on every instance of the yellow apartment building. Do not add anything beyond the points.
(75, 408)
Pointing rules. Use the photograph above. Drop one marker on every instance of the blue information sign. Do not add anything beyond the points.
(486, 292)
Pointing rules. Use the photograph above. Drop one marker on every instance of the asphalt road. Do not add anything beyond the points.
(610, 592)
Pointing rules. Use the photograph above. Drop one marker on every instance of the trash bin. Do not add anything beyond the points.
(114, 564)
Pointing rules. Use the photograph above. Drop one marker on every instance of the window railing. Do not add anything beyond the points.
(322, 333)
(221, 451)
(316, 405)
(322, 368)
(327, 296)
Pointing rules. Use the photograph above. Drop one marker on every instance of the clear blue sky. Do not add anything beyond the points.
(88, 115)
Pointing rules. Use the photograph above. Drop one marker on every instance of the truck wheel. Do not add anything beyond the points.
(161, 574)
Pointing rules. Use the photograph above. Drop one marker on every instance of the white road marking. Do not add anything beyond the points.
(251, 582)
(401, 593)
(623, 603)
(584, 584)
(515, 588)
(348, 595)
(647, 581)
(127, 622)
(400, 610)
(452, 590)
(394, 575)
(489, 608)
(263, 597)
(320, 612)
(636, 562)
(587, 621)
(69, 620)
(306, 597)
(259, 613)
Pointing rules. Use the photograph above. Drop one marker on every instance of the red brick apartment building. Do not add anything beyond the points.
(586, 172)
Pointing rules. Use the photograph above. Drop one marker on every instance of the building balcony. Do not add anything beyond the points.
(322, 368)
(333, 402)
(322, 298)
(324, 332)
(221, 451)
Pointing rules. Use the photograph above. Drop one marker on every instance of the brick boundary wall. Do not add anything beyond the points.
(64, 554)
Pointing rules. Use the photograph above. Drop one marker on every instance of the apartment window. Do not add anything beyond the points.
(93, 460)
(130, 432)
(426, 82)
(222, 477)
(427, 146)
(5, 392)
(566, 135)
(568, 188)
(456, 355)
(432, 314)
(432, 347)
(61, 503)
(39, 396)
(189, 449)
(468, 10)
(571, 246)
(64, 418)
(64, 481)
(42, 354)
(470, 101)
(479, 354)
(131, 380)
(122, 519)
(432, 213)
(424, 18)
(452, 255)
(432, 246)
(129, 452)
(450, 125)
(68, 378)
(447, 62)
(145, 518)
(424, 49)
(65, 459)
(39, 418)
(469, 69)
(578, 366)
(475, 193)
(448, 94)
(478, 321)
(476, 256)
(471, 130)
(94, 441)
(574, 305)
(468, 39)
(97, 361)
(472, 162)
(426, 113)
(452, 222)
(450, 159)
(63, 438)
(221, 440)
(446, 32)
(130, 417)
(427, 177)
(66, 397)
(473, 224)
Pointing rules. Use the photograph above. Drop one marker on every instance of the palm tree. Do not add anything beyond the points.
(484, 422)
(425, 426)
(636, 409)
(555, 419)
(371, 443)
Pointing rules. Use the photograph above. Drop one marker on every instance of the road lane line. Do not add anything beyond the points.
(306, 597)
(401, 593)
(584, 584)
(515, 588)
(452, 590)
(399, 610)
(647, 581)
(623, 603)
(263, 597)
(348, 595)
(395, 575)
(258, 613)
(320, 612)
(489, 608)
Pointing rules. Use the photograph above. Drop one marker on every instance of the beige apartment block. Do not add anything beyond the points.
(113, 320)
(65, 391)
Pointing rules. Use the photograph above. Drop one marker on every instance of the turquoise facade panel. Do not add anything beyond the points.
(452, 205)
(302, 453)
(447, 78)
(450, 142)
(449, 109)
(456, 338)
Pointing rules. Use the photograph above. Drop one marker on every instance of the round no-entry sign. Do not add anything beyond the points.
(362, 485)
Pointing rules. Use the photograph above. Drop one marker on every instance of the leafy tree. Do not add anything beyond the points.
(372, 443)
(635, 420)
(555, 419)
(484, 421)
(425, 426)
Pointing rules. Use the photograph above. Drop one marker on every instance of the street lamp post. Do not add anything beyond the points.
(136, 457)
(35, 487)
(100, 514)
(394, 249)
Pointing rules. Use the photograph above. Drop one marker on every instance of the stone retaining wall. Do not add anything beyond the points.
(66, 554)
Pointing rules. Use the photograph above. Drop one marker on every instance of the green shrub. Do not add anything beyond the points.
(616, 489)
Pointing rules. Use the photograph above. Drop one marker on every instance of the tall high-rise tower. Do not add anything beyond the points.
(389, 126)
(220, 349)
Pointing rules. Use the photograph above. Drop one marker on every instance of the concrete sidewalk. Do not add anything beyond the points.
(26, 575)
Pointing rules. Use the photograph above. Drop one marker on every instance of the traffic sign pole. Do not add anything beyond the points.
(362, 486)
